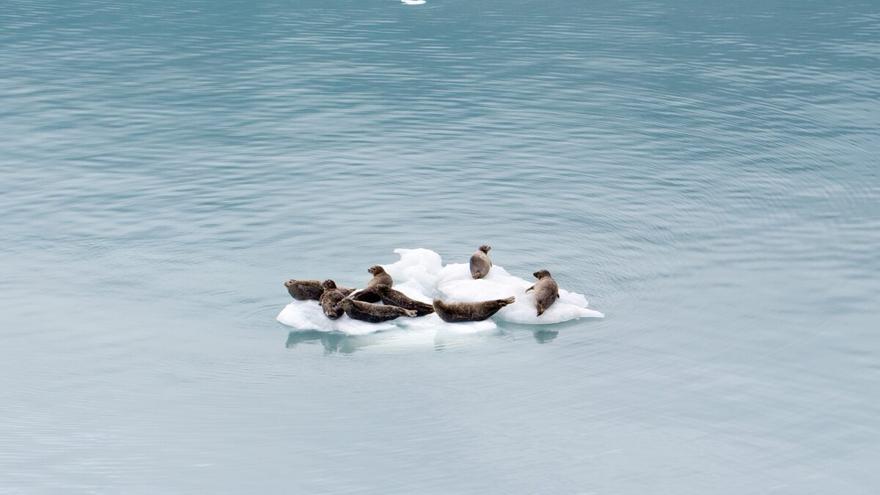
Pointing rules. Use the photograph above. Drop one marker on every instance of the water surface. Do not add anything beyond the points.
(704, 171)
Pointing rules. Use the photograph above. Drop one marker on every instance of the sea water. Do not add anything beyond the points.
(703, 173)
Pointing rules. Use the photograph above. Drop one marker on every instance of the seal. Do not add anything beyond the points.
(478, 311)
(546, 291)
(480, 262)
(331, 298)
(380, 277)
(396, 298)
(304, 290)
(366, 295)
(373, 313)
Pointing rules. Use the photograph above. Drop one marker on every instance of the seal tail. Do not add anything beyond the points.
(505, 302)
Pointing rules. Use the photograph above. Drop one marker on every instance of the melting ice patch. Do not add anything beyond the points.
(421, 275)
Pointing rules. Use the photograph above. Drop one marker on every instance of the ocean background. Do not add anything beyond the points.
(706, 172)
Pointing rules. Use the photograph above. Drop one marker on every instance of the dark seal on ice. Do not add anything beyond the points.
(331, 299)
(373, 313)
(396, 298)
(304, 290)
(478, 311)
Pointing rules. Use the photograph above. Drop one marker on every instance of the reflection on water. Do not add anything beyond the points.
(330, 340)
(396, 340)
(544, 336)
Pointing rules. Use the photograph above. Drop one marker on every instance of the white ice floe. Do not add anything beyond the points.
(307, 315)
(421, 275)
(455, 284)
(413, 2)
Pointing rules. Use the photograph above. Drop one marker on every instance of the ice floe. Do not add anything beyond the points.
(421, 275)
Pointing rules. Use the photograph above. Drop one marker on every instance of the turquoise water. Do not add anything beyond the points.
(705, 172)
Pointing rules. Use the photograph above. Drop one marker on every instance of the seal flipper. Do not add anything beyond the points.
(530, 288)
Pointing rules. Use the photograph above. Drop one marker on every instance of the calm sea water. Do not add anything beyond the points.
(705, 171)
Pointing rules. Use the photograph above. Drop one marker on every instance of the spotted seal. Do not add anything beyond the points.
(480, 262)
(396, 298)
(380, 277)
(304, 290)
(331, 298)
(478, 311)
(373, 313)
(546, 291)
(365, 295)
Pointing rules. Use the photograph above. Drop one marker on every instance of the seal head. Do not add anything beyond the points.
(330, 284)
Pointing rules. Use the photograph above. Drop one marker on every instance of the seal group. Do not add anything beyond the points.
(378, 301)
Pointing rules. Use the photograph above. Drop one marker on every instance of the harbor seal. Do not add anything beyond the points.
(366, 295)
(373, 313)
(331, 298)
(478, 311)
(304, 290)
(380, 277)
(480, 262)
(546, 291)
(396, 298)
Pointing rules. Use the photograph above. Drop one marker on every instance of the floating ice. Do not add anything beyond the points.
(416, 273)
(412, 2)
(455, 284)
(420, 274)
(307, 315)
